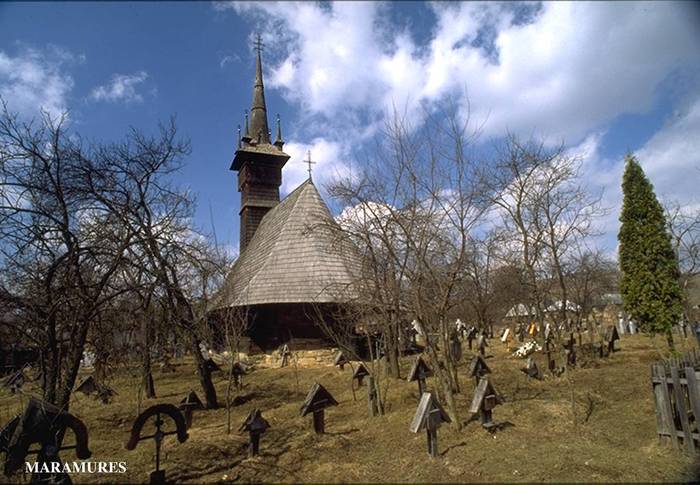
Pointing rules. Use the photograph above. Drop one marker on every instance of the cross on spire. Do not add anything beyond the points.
(258, 43)
(309, 163)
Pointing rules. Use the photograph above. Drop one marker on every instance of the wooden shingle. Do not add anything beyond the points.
(294, 257)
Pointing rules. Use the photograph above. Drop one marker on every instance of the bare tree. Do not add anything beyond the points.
(684, 227)
(60, 247)
(414, 206)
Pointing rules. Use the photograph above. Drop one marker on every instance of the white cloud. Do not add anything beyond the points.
(329, 157)
(35, 79)
(122, 87)
(572, 69)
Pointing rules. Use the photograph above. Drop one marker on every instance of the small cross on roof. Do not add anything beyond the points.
(309, 163)
(258, 43)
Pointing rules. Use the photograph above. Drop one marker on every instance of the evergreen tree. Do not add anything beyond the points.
(650, 290)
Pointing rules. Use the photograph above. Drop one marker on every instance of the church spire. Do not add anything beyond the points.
(258, 113)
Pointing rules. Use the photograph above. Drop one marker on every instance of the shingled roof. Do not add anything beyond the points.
(293, 257)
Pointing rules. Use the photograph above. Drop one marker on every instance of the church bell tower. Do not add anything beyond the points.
(258, 161)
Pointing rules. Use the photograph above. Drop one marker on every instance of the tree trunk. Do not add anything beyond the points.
(391, 344)
(669, 340)
(204, 375)
(146, 371)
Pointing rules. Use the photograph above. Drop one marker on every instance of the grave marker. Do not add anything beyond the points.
(158, 475)
(15, 381)
(478, 368)
(456, 348)
(420, 372)
(485, 400)
(481, 344)
(284, 355)
(531, 369)
(238, 371)
(188, 405)
(87, 386)
(429, 416)
(611, 335)
(42, 423)
(255, 425)
(340, 360)
(359, 374)
(316, 401)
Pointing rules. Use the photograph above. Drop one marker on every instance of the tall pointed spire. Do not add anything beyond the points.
(258, 112)
(279, 143)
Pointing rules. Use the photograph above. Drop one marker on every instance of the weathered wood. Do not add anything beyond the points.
(682, 412)
(429, 416)
(666, 409)
(318, 398)
(428, 409)
(693, 394)
(478, 367)
(340, 360)
(319, 422)
(360, 373)
(255, 425)
(42, 423)
(419, 371)
(658, 405)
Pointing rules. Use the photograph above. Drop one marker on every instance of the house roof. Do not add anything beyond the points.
(295, 256)
(520, 310)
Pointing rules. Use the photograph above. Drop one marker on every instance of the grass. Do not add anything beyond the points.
(615, 439)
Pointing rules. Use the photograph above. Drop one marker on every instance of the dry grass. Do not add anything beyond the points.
(615, 439)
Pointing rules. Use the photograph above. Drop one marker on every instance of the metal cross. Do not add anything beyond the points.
(309, 163)
(258, 44)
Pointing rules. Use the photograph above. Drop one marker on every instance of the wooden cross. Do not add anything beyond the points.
(309, 163)
(258, 44)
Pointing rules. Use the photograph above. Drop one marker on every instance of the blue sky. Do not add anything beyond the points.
(604, 78)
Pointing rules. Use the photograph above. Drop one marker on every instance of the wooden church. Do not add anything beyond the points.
(293, 269)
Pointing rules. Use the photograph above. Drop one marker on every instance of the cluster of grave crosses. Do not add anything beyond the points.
(40, 429)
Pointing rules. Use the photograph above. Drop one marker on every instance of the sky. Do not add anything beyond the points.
(603, 78)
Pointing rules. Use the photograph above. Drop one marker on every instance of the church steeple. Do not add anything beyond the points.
(258, 161)
(258, 112)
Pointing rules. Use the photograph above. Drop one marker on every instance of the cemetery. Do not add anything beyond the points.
(607, 433)
(418, 294)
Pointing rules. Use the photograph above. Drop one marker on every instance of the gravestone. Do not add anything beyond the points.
(420, 372)
(340, 360)
(188, 405)
(481, 344)
(506, 334)
(485, 400)
(284, 355)
(42, 423)
(531, 369)
(611, 335)
(105, 393)
(359, 374)
(374, 406)
(471, 335)
(570, 351)
(14, 381)
(255, 425)
(157, 477)
(317, 400)
(429, 416)
(455, 348)
(478, 368)
(238, 370)
(87, 386)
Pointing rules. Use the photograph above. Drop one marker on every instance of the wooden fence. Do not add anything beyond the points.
(676, 385)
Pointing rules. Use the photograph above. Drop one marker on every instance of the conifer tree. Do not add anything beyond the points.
(650, 290)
